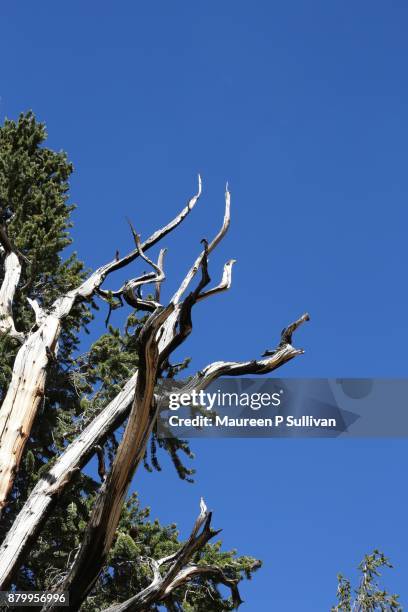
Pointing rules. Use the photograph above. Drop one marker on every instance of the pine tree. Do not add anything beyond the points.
(369, 596)
(36, 215)
(50, 511)
(34, 200)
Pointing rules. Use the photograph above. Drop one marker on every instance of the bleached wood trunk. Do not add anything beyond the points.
(26, 389)
(23, 396)
(12, 273)
(166, 328)
(100, 532)
(54, 482)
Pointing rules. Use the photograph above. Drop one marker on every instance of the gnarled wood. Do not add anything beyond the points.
(26, 389)
(76, 455)
(101, 529)
(100, 532)
(180, 570)
(165, 330)
(40, 501)
(12, 272)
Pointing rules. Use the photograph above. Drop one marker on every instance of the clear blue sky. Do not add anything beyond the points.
(302, 106)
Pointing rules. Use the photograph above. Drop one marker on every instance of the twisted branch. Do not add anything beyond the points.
(181, 570)
(165, 329)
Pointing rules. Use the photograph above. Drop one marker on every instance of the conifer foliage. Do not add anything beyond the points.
(61, 406)
(35, 213)
(369, 596)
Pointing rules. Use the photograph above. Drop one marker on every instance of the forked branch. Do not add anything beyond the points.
(131, 289)
(179, 570)
(27, 385)
(88, 288)
(210, 247)
(165, 329)
(31, 516)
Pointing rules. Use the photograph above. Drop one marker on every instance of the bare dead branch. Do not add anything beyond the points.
(200, 535)
(39, 313)
(275, 359)
(208, 571)
(101, 529)
(78, 452)
(165, 329)
(287, 332)
(29, 520)
(130, 290)
(19, 407)
(225, 283)
(180, 570)
(12, 272)
(175, 337)
(160, 265)
(86, 290)
(196, 266)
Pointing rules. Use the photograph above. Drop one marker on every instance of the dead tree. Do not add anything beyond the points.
(166, 328)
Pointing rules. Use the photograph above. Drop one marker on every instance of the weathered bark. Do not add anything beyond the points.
(166, 328)
(22, 399)
(40, 501)
(53, 483)
(180, 570)
(12, 272)
(101, 529)
(162, 333)
(100, 532)
(26, 389)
